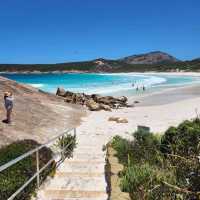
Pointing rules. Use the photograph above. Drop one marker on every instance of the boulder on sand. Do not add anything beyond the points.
(113, 119)
(94, 102)
(68, 99)
(96, 97)
(123, 99)
(105, 107)
(60, 92)
(122, 120)
(118, 119)
(93, 106)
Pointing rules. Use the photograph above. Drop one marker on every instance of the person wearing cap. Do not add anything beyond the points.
(8, 102)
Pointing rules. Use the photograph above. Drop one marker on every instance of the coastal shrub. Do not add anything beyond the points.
(163, 167)
(146, 147)
(12, 178)
(182, 140)
(123, 148)
(136, 179)
(69, 143)
(181, 146)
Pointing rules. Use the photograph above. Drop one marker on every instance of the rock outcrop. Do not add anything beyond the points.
(94, 102)
(35, 114)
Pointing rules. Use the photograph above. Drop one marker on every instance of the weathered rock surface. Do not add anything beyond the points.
(118, 119)
(36, 115)
(94, 102)
(93, 106)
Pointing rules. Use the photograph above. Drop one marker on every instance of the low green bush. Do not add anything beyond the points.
(182, 140)
(123, 148)
(146, 148)
(163, 167)
(12, 178)
(136, 180)
(69, 143)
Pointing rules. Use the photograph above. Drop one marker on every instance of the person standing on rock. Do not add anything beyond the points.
(8, 102)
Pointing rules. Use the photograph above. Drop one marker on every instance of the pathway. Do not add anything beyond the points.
(81, 177)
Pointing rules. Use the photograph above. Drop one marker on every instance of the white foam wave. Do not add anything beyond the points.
(123, 74)
(37, 85)
(147, 81)
(151, 80)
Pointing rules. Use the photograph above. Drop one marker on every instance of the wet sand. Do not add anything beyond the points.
(168, 96)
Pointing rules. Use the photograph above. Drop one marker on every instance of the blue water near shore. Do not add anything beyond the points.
(114, 84)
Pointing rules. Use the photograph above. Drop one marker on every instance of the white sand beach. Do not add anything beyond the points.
(158, 111)
(155, 111)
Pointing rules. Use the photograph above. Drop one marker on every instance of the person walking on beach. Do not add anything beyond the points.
(8, 102)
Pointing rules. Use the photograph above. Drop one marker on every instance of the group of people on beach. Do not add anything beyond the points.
(137, 87)
(8, 103)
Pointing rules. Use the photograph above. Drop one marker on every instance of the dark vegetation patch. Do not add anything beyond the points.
(108, 66)
(163, 167)
(12, 178)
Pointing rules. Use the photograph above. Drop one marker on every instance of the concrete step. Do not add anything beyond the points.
(88, 157)
(79, 174)
(79, 195)
(81, 198)
(82, 167)
(98, 198)
(78, 184)
(88, 150)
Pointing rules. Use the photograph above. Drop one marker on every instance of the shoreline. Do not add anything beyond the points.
(123, 92)
(181, 73)
(177, 92)
(185, 88)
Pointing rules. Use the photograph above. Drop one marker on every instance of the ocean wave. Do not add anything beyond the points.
(152, 80)
(147, 81)
(36, 85)
(123, 74)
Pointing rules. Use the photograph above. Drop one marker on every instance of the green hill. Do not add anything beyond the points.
(153, 61)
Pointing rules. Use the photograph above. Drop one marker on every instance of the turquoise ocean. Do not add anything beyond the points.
(113, 84)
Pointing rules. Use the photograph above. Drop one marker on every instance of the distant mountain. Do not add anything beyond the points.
(196, 60)
(150, 58)
(153, 61)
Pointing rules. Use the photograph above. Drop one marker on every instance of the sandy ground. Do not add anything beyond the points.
(157, 111)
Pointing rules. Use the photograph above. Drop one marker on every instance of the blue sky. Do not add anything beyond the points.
(52, 31)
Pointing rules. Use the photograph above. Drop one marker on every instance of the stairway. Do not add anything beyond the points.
(81, 177)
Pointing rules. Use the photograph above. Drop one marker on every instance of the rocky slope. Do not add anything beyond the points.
(36, 115)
